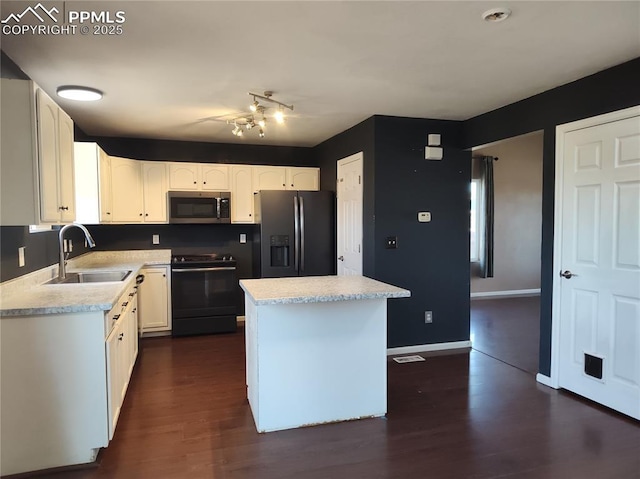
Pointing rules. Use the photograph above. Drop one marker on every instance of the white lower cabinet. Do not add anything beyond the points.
(64, 377)
(154, 299)
(122, 351)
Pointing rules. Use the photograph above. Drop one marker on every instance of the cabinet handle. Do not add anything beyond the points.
(132, 294)
(164, 275)
(121, 336)
(140, 214)
(63, 208)
(108, 213)
(292, 184)
(134, 310)
(124, 305)
(204, 182)
(283, 184)
(249, 214)
(194, 183)
(115, 317)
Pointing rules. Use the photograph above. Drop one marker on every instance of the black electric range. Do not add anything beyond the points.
(203, 294)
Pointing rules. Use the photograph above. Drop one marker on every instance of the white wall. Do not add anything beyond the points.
(518, 214)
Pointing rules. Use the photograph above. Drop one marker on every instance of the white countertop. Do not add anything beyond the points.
(317, 289)
(27, 295)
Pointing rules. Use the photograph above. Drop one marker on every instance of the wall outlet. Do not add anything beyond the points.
(156, 239)
(424, 216)
(243, 238)
(428, 317)
(21, 256)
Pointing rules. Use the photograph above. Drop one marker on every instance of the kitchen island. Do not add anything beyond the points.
(316, 349)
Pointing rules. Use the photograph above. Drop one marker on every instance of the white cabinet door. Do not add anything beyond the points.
(241, 194)
(215, 177)
(105, 186)
(131, 337)
(154, 187)
(153, 300)
(305, 179)
(126, 197)
(47, 112)
(269, 178)
(66, 187)
(184, 176)
(115, 348)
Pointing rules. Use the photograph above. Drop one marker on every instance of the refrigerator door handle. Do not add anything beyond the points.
(301, 234)
(296, 233)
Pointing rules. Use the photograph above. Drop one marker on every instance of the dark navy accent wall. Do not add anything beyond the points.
(201, 152)
(432, 259)
(359, 138)
(609, 90)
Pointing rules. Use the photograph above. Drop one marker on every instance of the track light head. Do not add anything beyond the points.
(261, 133)
(255, 105)
(279, 116)
(262, 122)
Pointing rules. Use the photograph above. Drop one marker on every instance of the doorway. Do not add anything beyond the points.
(505, 308)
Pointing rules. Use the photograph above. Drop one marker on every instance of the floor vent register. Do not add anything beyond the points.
(408, 359)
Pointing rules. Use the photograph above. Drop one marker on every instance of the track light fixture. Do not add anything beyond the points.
(257, 117)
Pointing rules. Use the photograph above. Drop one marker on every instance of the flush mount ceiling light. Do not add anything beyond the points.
(496, 14)
(257, 117)
(79, 93)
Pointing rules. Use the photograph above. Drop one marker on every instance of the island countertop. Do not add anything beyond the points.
(318, 289)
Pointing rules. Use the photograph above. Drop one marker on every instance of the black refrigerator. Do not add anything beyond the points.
(296, 233)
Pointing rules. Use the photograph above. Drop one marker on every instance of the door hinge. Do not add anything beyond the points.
(358, 248)
(359, 180)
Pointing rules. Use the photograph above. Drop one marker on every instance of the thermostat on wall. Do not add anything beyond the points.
(424, 216)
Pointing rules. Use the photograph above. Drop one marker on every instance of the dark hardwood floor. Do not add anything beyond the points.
(452, 416)
(508, 329)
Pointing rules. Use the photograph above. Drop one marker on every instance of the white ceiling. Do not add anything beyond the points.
(180, 68)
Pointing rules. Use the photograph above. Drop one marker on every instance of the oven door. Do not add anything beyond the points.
(203, 299)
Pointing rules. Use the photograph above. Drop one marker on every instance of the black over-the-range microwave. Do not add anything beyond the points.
(199, 207)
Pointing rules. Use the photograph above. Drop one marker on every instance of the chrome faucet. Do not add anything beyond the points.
(62, 265)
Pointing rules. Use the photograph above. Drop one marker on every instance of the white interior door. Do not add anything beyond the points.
(599, 264)
(349, 193)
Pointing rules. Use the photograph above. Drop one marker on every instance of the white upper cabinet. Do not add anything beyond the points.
(215, 177)
(269, 178)
(241, 194)
(154, 188)
(198, 177)
(184, 176)
(37, 181)
(105, 186)
(306, 179)
(127, 202)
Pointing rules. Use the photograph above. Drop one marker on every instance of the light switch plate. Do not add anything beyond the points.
(156, 239)
(424, 216)
(243, 238)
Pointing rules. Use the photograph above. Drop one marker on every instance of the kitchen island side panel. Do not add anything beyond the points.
(313, 363)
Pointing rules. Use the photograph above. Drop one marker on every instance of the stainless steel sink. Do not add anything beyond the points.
(92, 277)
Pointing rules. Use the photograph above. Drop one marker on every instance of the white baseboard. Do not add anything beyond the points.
(513, 293)
(418, 348)
(546, 380)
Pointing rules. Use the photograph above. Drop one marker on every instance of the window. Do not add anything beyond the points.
(474, 253)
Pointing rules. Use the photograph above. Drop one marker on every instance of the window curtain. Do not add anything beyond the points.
(486, 256)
